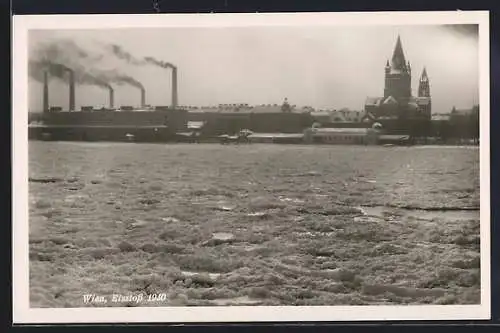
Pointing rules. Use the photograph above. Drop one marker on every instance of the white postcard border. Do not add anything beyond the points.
(22, 313)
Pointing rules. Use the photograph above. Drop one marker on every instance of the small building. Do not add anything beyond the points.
(55, 109)
(126, 108)
(87, 108)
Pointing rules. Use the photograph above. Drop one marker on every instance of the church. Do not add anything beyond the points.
(398, 104)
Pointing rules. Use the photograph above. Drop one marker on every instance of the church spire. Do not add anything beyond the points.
(398, 75)
(424, 76)
(423, 86)
(398, 58)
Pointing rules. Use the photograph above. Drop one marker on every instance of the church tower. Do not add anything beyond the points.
(423, 86)
(398, 76)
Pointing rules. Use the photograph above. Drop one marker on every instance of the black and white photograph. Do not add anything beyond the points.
(251, 167)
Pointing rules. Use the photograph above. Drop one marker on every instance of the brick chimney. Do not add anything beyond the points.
(45, 91)
(111, 97)
(71, 90)
(143, 97)
(174, 87)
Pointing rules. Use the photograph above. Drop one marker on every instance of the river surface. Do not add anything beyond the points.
(252, 225)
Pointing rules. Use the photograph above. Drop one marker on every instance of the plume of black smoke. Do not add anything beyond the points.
(162, 64)
(119, 78)
(62, 56)
(119, 52)
(64, 51)
(37, 68)
(92, 80)
(60, 71)
(128, 80)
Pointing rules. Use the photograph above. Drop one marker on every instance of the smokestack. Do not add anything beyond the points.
(174, 87)
(71, 90)
(111, 98)
(143, 97)
(45, 91)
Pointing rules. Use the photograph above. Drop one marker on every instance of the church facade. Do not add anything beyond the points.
(398, 103)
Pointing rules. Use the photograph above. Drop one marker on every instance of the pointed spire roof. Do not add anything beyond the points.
(424, 76)
(398, 57)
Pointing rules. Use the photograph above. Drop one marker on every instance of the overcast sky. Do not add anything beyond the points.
(322, 67)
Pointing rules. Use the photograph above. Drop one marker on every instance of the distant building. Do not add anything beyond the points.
(55, 109)
(456, 125)
(346, 115)
(322, 117)
(456, 113)
(398, 102)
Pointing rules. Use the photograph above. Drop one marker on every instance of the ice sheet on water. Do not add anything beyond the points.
(222, 236)
(421, 214)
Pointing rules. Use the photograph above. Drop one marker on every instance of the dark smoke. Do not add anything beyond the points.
(125, 79)
(119, 52)
(62, 56)
(124, 55)
(36, 69)
(83, 77)
(162, 64)
(64, 51)
(96, 82)
(59, 71)
(119, 78)
(129, 80)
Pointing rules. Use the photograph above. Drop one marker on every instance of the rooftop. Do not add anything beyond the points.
(341, 130)
(276, 135)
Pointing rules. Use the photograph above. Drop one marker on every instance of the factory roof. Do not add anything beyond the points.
(343, 130)
(276, 135)
(98, 126)
(264, 109)
(340, 131)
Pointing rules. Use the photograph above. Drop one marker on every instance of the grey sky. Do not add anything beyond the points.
(323, 67)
